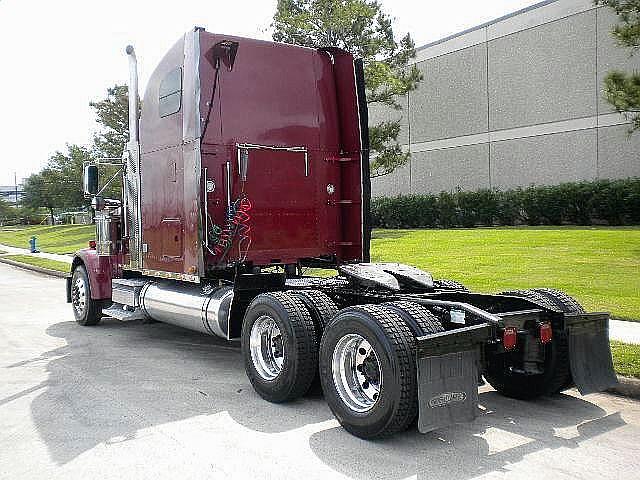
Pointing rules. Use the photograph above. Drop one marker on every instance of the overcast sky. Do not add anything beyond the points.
(59, 55)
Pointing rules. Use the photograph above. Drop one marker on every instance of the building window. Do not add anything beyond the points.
(170, 93)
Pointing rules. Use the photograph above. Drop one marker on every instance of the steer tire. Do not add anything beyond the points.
(396, 405)
(557, 371)
(420, 320)
(298, 338)
(322, 310)
(86, 310)
(449, 285)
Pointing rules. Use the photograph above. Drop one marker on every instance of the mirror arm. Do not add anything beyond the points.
(109, 181)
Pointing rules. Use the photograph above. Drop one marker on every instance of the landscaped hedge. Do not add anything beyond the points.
(612, 202)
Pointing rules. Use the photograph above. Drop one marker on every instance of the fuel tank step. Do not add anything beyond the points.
(123, 313)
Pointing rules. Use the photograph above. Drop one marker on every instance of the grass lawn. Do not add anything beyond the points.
(626, 359)
(53, 239)
(40, 262)
(599, 266)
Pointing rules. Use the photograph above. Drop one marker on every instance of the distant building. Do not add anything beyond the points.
(8, 193)
(514, 102)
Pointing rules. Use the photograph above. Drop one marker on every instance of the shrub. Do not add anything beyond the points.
(509, 207)
(447, 210)
(616, 202)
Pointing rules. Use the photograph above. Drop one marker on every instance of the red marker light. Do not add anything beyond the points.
(92, 244)
(546, 334)
(509, 338)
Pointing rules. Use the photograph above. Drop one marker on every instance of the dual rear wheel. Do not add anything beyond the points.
(363, 356)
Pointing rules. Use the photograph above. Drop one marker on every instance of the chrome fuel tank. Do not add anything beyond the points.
(188, 306)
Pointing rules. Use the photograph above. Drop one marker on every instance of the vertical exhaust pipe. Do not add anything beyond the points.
(132, 169)
(133, 94)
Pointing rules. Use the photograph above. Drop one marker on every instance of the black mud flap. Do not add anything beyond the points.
(589, 351)
(448, 364)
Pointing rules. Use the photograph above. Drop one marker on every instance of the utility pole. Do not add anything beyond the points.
(15, 184)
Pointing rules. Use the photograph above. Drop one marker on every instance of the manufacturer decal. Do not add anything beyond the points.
(446, 398)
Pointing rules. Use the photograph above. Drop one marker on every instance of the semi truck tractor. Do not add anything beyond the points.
(247, 167)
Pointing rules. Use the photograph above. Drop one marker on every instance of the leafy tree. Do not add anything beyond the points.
(5, 209)
(42, 190)
(622, 89)
(59, 184)
(363, 29)
(112, 113)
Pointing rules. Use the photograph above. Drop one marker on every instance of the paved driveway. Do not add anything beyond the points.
(133, 400)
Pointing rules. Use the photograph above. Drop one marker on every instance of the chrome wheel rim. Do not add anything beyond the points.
(267, 347)
(79, 295)
(356, 373)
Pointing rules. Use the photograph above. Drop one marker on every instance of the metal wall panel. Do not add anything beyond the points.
(618, 153)
(465, 167)
(544, 160)
(543, 74)
(452, 99)
(396, 183)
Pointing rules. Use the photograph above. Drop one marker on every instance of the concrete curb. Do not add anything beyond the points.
(627, 387)
(45, 271)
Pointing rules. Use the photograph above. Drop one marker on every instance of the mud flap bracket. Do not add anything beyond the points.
(589, 351)
(448, 366)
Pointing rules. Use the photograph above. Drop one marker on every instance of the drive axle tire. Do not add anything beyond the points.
(86, 310)
(322, 310)
(420, 320)
(368, 371)
(320, 306)
(279, 346)
(557, 371)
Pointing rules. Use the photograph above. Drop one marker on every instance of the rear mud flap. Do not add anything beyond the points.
(448, 364)
(590, 352)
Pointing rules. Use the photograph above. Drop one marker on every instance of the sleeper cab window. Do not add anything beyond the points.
(170, 94)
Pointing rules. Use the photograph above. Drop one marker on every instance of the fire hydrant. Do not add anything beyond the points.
(33, 247)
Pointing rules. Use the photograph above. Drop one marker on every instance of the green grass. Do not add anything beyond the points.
(626, 359)
(599, 266)
(52, 239)
(40, 262)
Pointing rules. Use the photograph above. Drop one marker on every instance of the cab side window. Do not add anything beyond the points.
(170, 94)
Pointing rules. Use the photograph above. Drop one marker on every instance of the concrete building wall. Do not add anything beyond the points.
(515, 102)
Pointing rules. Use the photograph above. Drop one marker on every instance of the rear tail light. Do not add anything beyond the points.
(509, 338)
(546, 334)
(92, 244)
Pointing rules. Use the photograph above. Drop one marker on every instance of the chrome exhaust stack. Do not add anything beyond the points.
(133, 94)
(131, 160)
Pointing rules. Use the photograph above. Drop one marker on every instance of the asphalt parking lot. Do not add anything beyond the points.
(134, 400)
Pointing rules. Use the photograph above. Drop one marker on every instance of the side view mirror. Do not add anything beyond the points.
(90, 179)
